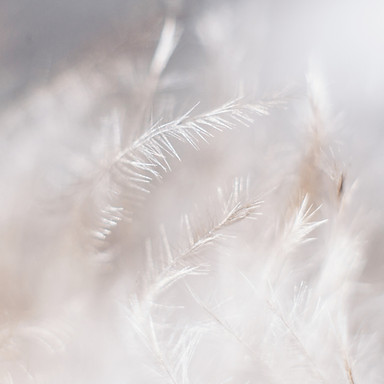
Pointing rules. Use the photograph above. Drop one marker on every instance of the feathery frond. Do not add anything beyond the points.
(105, 279)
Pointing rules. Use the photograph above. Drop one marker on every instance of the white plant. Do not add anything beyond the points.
(218, 246)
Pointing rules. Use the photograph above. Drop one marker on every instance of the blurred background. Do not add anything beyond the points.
(65, 65)
(39, 38)
(76, 88)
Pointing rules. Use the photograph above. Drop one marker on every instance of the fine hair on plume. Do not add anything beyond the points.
(173, 211)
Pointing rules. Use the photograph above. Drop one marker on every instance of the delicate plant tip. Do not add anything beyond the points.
(162, 221)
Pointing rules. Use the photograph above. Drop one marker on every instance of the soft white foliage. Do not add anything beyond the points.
(167, 218)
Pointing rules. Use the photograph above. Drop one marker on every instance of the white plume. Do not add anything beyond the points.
(191, 193)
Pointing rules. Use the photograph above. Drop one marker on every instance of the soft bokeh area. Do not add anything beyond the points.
(191, 191)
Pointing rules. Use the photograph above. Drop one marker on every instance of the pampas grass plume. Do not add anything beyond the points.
(173, 211)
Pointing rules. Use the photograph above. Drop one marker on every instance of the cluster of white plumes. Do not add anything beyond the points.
(176, 210)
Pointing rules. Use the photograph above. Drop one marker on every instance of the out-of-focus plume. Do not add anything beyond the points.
(191, 192)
